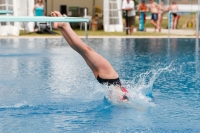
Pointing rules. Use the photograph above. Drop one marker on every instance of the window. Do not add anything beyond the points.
(6, 5)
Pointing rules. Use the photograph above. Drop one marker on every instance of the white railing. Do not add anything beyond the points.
(183, 11)
(197, 18)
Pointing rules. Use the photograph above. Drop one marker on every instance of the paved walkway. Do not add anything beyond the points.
(175, 32)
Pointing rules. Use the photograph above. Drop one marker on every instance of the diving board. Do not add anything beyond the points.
(42, 19)
(6, 12)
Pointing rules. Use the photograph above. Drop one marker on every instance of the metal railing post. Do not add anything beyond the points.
(197, 23)
(86, 32)
(169, 26)
(198, 20)
(187, 11)
(127, 22)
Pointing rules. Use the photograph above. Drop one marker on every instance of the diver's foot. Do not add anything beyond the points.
(58, 14)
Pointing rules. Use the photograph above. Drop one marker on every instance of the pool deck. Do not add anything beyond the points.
(178, 33)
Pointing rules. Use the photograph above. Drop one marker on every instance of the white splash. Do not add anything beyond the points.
(139, 89)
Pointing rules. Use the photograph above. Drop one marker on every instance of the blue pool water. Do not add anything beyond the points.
(45, 86)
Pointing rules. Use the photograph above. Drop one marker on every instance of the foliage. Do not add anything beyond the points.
(97, 9)
(136, 2)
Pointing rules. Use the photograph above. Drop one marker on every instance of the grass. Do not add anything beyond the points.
(94, 33)
(102, 33)
(182, 20)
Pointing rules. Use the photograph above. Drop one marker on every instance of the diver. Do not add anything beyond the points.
(102, 69)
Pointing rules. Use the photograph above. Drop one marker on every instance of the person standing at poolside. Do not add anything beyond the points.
(38, 10)
(154, 16)
(142, 7)
(160, 13)
(101, 68)
(129, 5)
(174, 8)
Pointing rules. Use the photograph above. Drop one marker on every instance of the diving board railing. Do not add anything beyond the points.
(177, 11)
(43, 19)
(183, 11)
(197, 24)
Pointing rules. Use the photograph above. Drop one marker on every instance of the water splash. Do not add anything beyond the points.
(144, 83)
(140, 88)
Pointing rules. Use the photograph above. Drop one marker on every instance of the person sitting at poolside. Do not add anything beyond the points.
(142, 7)
(154, 17)
(189, 23)
(101, 68)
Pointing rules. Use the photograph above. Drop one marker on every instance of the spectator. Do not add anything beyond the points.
(129, 5)
(174, 8)
(189, 23)
(154, 16)
(142, 7)
(160, 13)
(38, 10)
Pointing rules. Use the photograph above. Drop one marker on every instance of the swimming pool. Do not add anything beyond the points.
(47, 87)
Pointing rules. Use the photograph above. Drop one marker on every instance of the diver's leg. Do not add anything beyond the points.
(99, 65)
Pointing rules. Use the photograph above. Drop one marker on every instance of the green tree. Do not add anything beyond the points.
(136, 2)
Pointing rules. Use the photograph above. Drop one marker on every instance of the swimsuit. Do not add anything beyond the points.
(115, 82)
(109, 82)
(39, 10)
(154, 16)
(174, 14)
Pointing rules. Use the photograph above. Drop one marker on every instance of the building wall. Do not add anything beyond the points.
(55, 4)
(186, 7)
(190, 2)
